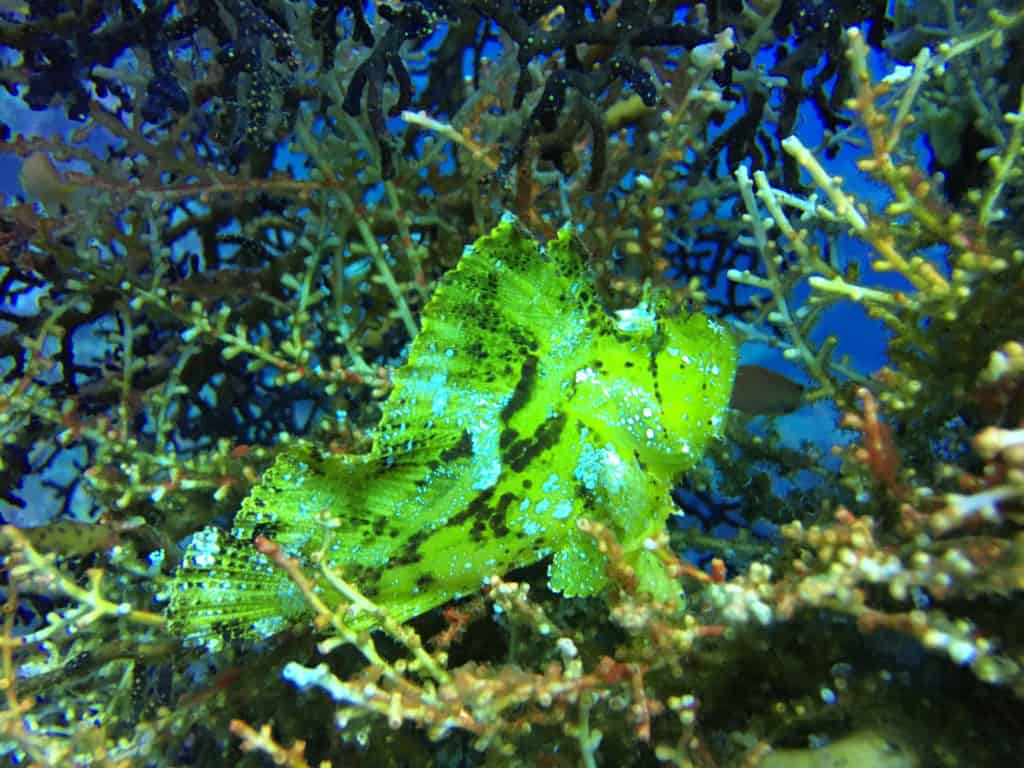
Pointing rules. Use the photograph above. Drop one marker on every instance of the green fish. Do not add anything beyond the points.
(524, 406)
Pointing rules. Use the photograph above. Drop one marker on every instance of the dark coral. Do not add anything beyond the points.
(626, 34)
(64, 41)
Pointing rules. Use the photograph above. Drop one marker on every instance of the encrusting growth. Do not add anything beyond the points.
(523, 408)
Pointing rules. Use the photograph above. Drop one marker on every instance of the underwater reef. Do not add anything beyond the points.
(511, 383)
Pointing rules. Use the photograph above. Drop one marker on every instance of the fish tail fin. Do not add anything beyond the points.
(227, 590)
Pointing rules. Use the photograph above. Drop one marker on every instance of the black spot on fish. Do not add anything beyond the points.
(424, 580)
(522, 338)
(499, 517)
(524, 389)
(410, 551)
(587, 496)
(654, 347)
(636, 457)
(461, 450)
(508, 436)
(522, 452)
(477, 509)
(269, 530)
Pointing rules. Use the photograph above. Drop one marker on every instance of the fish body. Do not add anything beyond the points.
(523, 407)
(758, 390)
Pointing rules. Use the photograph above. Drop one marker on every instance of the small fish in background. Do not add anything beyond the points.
(68, 538)
(75, 538)
(761, 391)
(44, 183)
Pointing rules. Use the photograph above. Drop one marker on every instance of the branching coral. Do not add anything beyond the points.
(211, 270)
(934, 543)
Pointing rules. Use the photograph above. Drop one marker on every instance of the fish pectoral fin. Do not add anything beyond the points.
(653, 578)
(578, 569)
(226, 590)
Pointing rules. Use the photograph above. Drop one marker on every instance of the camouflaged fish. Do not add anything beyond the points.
(524, 406)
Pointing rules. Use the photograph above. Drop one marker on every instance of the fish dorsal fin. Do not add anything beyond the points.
(490, 317)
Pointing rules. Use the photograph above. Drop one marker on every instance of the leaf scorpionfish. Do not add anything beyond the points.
(524, 406)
